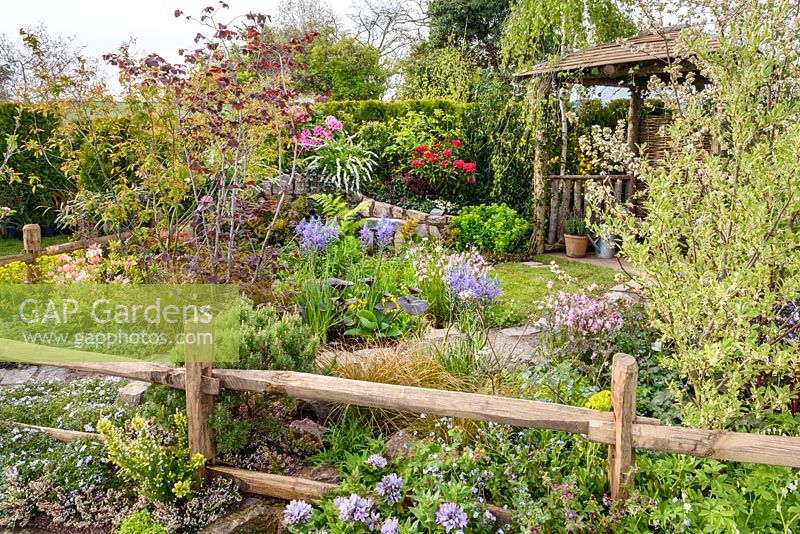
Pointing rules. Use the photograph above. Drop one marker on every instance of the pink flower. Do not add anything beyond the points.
(456, 143)
(469, 167)
(416, 163)
(458, 164)
(447, 152)
(333, 123)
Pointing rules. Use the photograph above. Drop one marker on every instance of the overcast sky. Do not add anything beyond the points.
(102, 25)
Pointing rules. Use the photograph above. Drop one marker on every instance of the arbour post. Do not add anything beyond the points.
(199, 352)
(32, 244)
(621, 455)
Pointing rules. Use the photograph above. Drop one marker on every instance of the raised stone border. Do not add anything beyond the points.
(435, 224)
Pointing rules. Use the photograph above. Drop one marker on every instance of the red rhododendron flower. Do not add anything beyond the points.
(422, 148)
(430, 156)
(469, 167)
(447, 152)
(416, 163)
(458, 164)
(456, 143)
(444, 163)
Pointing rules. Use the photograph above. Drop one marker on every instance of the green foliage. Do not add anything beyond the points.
(157, 470)
(342, 164)
(336, 207)
(140, 522)
(575, 226)
(342, 67)
(373, 323)
(535, 30)
(474, 25)
(274, 341)
(36, 186)
(599, 401)
(498, 139)
(356, 113)
(439, 72)
(110, 159)
(717, 245)
(490, 228)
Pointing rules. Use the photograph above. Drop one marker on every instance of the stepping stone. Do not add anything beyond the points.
(535, 264)
(133, 393)
(48, 373)
(15, 377)
(253, 515)
(530, 330)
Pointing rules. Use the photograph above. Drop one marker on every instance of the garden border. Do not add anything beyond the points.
(621, 429)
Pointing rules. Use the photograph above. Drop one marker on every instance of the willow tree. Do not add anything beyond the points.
(542, 30)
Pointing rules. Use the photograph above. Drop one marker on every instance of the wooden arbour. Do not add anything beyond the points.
(628, 63)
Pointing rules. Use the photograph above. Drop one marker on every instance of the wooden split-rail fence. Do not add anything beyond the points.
(621, 429)
(32, 249)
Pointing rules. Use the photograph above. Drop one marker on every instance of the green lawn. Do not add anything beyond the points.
(524, 287)
(9, 247)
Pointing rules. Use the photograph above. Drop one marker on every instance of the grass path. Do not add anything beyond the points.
(9, 247)
(524, 287)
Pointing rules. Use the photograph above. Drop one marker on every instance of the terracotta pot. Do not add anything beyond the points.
(576, 245)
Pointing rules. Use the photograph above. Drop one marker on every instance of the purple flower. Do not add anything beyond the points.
(390, 488)
(307, 141)
(376, 460)
(389, 526)
(314, 235)
(381, 234)
(358, 509)
(296, 512)
(451, 516)
(384, 231)
(321, 133)
(205, 202)
(333, 123)
(467, 284)
(584, 315)
(365, 236)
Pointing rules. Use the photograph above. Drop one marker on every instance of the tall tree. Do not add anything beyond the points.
(474, 25)
(343, 67)
(538, 29)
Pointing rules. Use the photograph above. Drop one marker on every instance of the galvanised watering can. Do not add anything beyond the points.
(603, 246)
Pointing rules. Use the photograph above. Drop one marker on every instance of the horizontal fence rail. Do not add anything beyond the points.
(32, 245)
(621, 430)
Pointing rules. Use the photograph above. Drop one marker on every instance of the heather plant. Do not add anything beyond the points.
(716, 246)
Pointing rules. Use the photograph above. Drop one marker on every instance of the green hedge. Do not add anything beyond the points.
(31, 206)
(356, 113)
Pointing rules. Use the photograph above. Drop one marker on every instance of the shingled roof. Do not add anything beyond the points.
(609, 61)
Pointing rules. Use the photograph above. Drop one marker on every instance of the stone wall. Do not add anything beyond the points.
(434, 224)
(300, 186)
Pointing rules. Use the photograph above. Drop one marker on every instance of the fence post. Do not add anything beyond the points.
(32, 244)
(621, 456)
(199, 405)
